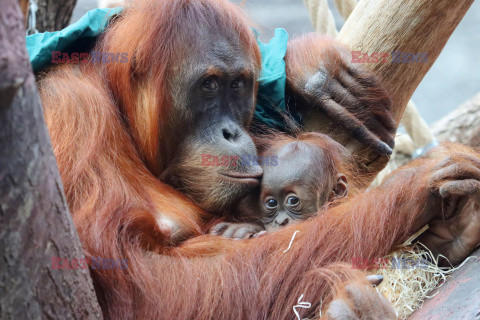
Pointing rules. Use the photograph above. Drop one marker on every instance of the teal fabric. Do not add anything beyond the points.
(77, 37)
(81, 36)
(271, 106)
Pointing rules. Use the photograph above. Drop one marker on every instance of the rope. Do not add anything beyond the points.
(32, 18)
(321, 16)
(416, 127)
(345, 7)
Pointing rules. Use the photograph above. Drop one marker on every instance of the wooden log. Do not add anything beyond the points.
(458, 298)
(54, 15)
(461, 125)
(406, 26)
(36, 229)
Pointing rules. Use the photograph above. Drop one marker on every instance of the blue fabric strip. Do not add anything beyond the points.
(81, 36)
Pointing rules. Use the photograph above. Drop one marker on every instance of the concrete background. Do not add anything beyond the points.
(453, 79)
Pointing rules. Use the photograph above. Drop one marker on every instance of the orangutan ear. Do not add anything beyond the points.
(340, 190)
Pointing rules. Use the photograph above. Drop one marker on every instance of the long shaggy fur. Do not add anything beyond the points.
(111, 131)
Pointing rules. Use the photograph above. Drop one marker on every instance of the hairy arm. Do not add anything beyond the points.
(117, 205)
(105, 180)
(213, 277)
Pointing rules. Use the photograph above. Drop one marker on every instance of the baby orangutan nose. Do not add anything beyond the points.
(282, 220)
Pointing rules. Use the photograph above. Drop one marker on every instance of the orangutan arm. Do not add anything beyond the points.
(223, 277)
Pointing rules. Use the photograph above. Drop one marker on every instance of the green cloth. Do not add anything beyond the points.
(271, 106)
(77, 37)
(81, 36)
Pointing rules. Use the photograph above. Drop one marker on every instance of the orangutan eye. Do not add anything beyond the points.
(271, 203)
(292, 201)
(237, 84)
(209, 85)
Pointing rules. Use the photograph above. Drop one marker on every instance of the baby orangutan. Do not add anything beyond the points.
(301, 175)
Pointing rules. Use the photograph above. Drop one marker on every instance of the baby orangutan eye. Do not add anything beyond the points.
(271, 203)
(292, 200)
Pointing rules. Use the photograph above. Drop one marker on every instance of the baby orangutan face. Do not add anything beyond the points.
(305, 175)
(301, 183)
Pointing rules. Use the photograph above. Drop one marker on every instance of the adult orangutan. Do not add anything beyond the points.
(120, 131)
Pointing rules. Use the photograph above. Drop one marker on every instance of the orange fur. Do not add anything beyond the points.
(112, 135)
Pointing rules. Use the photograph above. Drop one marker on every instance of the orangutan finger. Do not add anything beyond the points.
(455, 171)
(460, 188)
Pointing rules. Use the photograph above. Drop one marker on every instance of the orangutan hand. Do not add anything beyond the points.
(352, 96)
(454, 232)
(236, 230)
(361, 302)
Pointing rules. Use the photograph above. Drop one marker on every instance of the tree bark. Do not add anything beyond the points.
(35, 225)
(458, 298)
(54, 15)
(462, 125)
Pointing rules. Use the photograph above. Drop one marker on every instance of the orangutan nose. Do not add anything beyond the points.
(282, 220)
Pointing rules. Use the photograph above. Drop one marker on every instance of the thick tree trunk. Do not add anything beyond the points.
(35, 225)
(54, 15)
(406, 26)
